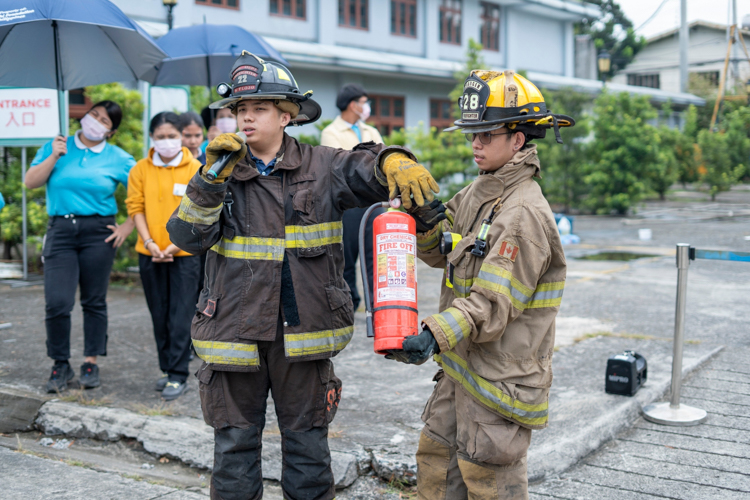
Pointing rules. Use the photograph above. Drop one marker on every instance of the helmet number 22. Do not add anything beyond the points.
(471, 101)
(242, 79)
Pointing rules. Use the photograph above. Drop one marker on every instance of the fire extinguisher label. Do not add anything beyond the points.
(397, 271)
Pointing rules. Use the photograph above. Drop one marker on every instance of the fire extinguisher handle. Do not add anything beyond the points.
(363, 264)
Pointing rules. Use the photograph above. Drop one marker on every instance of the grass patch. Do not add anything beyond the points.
(79, 396)
(402, 489)
(134, 477)
(74, 463)
(635, 336)
(617, 256)
(160, 409)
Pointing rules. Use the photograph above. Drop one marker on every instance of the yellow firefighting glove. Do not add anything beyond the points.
(217, 149)
(409, 178)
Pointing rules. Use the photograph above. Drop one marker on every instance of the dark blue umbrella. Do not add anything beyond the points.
(68, 44)
(204, 54)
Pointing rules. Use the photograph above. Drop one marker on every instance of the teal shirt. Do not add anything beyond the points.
(83, 182)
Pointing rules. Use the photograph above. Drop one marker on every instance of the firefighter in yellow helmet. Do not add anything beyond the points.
(503, 284)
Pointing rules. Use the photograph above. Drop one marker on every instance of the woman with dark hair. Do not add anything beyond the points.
(169, 275)
(81, 174)
(191, 128)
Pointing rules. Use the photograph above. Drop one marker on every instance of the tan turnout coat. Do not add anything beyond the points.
(496, 328)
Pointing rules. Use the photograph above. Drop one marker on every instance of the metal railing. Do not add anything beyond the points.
(672, 412)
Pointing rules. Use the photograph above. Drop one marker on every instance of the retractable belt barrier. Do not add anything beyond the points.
(672, 412)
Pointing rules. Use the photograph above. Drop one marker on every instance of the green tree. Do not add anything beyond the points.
(564, 165)
(11, 215)
(724, 154)
(624, 155)
(612, 32)
(200, 98)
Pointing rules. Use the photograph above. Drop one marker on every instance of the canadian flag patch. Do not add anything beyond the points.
(508, 251)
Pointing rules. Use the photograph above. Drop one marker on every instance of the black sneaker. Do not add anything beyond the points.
(161, 383)
(90, 376)
(61, 374)
(173, 390)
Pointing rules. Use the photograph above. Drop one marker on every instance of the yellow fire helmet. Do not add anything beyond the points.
(495, 99)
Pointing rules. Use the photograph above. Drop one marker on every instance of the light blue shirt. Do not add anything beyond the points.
(83, 182)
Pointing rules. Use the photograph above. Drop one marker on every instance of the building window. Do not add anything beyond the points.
(404, 17)
(231, 4)
(489, 32)
(651, 81)
(450, 21)
(353, 14)
(286, 8)
(441, 113)
(710, 77)
(387, 113)
(78, 103)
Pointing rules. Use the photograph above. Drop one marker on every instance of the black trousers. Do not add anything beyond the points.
(75, 254)
(306, 396)
(171, 290)
(352, 218)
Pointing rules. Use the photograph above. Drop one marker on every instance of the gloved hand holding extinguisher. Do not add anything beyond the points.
(408, 178)
(416, 349)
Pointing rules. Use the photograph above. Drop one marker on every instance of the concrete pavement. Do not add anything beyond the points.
(705, 462)
(629, 304)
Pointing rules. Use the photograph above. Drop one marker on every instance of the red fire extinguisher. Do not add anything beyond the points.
(392, 314)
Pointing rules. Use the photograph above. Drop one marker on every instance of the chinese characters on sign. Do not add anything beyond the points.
(28, 113)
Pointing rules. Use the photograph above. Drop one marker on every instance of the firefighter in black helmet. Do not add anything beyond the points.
(275, 307)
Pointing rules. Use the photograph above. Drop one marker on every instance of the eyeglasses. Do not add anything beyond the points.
(484, 137)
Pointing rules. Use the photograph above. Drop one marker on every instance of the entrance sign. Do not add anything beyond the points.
(28, 116)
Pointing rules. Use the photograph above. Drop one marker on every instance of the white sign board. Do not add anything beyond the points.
(28, 114)
(175, 99)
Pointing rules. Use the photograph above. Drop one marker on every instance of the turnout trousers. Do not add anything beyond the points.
(472, 453)
(306, 395)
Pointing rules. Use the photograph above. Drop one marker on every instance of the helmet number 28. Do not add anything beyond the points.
(470, 101)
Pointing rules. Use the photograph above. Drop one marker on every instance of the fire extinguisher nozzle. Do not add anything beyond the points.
(370, 327)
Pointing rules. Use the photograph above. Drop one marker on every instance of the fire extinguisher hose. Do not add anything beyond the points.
(363, 264)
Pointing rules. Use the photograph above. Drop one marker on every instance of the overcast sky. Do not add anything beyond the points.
(714, 11)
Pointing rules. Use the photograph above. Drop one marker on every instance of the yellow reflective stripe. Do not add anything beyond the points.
(227, 353)
(315, 235)
(462, 287)
(491, 396)
(196, 214)
(454, 325)
(499, 280)
(305, 344)
(251, 248)
(547, 295)
(429, 240)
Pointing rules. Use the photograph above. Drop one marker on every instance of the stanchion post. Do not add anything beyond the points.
(672, 412)
(24, 224)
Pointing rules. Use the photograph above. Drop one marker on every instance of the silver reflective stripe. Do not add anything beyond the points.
(548, 295)
(506, 283)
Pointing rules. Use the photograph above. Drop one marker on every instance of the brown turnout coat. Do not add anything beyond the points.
(496, 328)
(274, 246)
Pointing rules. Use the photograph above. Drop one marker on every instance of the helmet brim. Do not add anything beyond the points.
(487, 126)
(309, 109)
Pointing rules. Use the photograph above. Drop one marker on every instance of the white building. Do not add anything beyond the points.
(658, 64)
(404, 52)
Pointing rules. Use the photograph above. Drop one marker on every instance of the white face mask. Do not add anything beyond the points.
(92, 129)
(365, 114)
(168, 148)
(227, 125)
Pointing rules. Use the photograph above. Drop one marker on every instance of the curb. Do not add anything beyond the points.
(561, 454)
